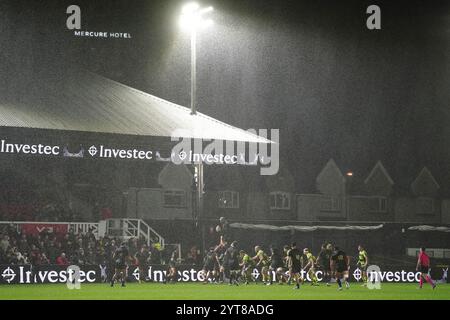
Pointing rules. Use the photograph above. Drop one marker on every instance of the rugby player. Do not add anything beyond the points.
(323, 262)
(295, 265)
(247, 266)
(120, 257)
(339, 266)
(172, 272)
(210, 265)
(223, 230)
(141, 260)
(310, 266)
(276, 266)
(286, 249)
(231, 263)
(219, 268)
(363, 261)
(262, 261)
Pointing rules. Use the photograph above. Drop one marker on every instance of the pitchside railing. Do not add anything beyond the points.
(133, 228)
(76, 227)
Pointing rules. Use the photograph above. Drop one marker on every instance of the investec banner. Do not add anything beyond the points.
(100, 151)
(189, 274)
(155, 273)
(47, 274)
(94, 151)
(192, 275)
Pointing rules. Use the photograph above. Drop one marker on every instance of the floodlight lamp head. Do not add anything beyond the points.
(192, 17)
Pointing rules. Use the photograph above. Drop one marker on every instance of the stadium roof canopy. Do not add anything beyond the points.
(87, 102)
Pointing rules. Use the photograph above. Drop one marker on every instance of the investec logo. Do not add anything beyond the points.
(73, 22)
(8, 275)
(47, 276)
(103, 152)
(21, 148)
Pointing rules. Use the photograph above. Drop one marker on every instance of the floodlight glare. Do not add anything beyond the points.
(191, 17)
(190, 7)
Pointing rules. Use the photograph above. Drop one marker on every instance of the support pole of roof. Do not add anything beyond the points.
(200, 189)
(193, 71)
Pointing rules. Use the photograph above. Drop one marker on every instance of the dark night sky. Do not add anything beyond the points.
(311, 68)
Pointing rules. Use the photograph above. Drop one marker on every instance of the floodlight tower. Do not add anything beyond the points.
(192, 20)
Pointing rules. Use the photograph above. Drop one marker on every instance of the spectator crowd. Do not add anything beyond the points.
(46, 248)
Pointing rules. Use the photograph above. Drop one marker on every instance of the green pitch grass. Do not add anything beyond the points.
(181, 291)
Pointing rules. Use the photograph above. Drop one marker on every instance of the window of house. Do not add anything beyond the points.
(228, 199)
(280, 200)
(331, 204)
(174, 198)
(378, 204)
(425, 205)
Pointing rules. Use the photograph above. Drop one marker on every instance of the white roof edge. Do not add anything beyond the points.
(383, 169)
(423, 171)
(198, 114)
(332, 163)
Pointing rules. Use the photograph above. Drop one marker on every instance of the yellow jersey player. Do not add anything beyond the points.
(246, 265)
(286, 249)
(363, 262)
(310, 266)
(262, 261)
